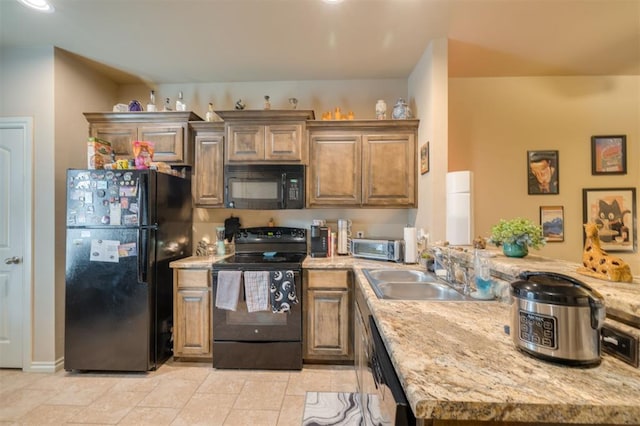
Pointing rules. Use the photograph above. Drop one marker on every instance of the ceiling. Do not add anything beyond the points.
(197, 41)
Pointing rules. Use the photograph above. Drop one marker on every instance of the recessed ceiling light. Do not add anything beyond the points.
(332, 1)
(39, 5)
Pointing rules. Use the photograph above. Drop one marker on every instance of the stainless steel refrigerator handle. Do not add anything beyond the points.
(143, 235)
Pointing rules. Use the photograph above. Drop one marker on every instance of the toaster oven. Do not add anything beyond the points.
(378, 249)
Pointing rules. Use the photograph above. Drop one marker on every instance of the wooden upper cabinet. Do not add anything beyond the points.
(334, 173)
(167, 130)
(208, 174)
(284, 142)
(368, 163)
(266, 136)
(246, 143)
(389, 170)
(168, 141)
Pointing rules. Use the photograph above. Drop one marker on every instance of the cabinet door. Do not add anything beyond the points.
(389, 169)
(192, 328)
(245, 143)
(334, 177)
(208, 175)
(192, 313)
(120, 136)
(283, 142)
(168, 141)
(328, 323)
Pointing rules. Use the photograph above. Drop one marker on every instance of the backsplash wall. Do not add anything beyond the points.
(373, 222)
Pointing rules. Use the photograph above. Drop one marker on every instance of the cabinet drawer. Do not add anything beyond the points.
(328, 279)
(193, 278)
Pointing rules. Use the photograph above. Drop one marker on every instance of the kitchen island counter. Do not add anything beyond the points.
(456, 361)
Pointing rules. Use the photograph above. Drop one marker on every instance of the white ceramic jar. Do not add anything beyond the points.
(381, 109)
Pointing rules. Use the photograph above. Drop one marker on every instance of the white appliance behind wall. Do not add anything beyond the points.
(460, 207)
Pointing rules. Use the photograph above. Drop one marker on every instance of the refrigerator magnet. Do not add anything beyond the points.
(104, 251)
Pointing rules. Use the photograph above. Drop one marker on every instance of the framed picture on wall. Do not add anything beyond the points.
(543, 172)
(609, 155)
(613, 211)
(552, 222)
(424, 158)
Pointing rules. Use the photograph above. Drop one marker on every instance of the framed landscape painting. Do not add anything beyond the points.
(613, 210)
(552, 222)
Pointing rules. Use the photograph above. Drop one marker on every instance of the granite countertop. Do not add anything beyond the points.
(622, 300)
(455, 360)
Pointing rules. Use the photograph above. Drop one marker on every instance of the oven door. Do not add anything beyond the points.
(243, 326)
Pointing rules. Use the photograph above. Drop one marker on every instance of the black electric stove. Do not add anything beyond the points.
(261, 340)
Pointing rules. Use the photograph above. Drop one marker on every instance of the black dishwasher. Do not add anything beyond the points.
(394, 407)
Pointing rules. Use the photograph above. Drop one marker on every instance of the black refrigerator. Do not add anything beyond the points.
(124, 227)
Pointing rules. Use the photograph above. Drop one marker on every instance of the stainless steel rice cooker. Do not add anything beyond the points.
(557, 318)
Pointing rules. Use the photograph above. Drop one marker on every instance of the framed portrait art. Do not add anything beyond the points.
(614, 212)
(552, 222)
(542, 172)
(609, 155)
(424, 158)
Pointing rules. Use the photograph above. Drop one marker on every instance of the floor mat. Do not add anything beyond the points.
(331, 408)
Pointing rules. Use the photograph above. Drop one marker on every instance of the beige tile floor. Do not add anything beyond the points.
(178, 393)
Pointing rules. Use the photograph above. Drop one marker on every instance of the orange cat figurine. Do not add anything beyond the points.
(598, 263)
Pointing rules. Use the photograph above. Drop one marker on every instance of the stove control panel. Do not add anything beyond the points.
(270, 234)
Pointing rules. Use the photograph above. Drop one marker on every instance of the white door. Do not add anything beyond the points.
(15, 141)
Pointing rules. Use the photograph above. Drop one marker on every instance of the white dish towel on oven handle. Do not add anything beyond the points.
(256, 290)
(228, 290)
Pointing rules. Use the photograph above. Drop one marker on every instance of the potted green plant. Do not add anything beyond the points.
(516, 236)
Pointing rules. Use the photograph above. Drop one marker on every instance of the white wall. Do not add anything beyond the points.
(358, 96)
(27, 90)
(428, 86)
(494, 121)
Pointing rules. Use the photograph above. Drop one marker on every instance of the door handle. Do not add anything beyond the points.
(12, 260)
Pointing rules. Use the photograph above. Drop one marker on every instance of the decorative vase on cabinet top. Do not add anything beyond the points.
(515, 250)
(381, 109)
(401, 110)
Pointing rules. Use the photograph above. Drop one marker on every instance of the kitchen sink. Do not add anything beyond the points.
(399, 284)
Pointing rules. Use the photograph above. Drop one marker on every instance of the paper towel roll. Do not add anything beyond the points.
(410, 245)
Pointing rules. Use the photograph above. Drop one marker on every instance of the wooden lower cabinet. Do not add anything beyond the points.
(192, 314)
(328, 313)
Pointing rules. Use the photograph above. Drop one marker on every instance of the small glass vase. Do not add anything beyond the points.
(515, 250)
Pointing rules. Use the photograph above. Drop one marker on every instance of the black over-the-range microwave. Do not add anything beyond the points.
(264, 186)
